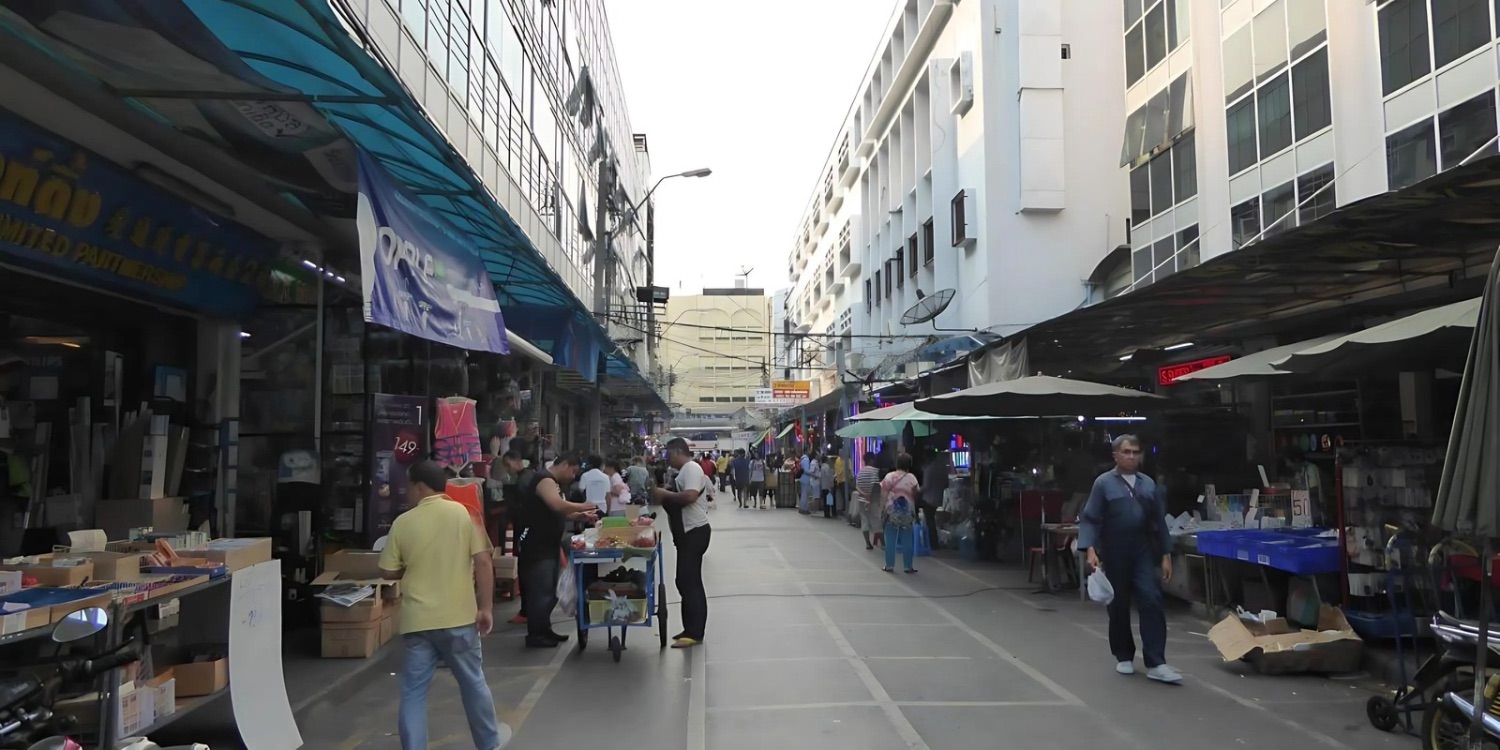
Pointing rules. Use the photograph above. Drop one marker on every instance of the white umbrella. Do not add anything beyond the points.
(1260, 364)
(1040, 396)
(907, 412)
(1439, 333)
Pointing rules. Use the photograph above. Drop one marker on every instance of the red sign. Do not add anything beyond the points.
(1168, 375)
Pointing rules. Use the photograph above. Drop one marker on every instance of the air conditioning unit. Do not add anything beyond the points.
(961, 84)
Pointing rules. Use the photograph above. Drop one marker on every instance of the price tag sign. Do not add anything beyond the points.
(1301, 509)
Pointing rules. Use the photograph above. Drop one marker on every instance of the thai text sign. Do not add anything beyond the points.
(791, 390)
(1169, 374)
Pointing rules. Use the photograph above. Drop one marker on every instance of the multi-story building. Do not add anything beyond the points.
(1235, 132)
(716, 349)
(975, 160)
(780, 341)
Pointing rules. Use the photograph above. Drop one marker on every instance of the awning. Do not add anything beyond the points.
(1259, 364)
(1041, 396)
(785, 430)
(1427, 339)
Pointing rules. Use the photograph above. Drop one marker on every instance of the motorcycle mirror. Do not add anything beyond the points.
(79, 625)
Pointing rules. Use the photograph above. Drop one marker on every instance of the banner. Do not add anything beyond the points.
(791, 390)
(66, 210)
(418, 276)
(398, 438)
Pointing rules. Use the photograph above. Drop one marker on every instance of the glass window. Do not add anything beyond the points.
(1156, 35)
(1410, 155)
(1310, 101)
(1187, 248)
(1403, 44)
(1466, 128)
(1132, 12)
(1179, 25)
(1140, 194)
(1185, 167)
(1244, 223)
(1180, 105)
(869, 298)
(1458, 28)
(877, 289)
(1161, 183)
(1241, 130)
(1135, 137)
(1306, 25)
(1135, 54)
(1314, 204)
(1163, 260)
(1156, 122)
(1239, 74)
(1278, 203)
(1140, 264)
(437, 39)
(1270, 41)
(414, 13)
(1273, 103)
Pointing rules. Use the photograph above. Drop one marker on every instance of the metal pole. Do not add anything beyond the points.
(318, 371)
(1482, 648)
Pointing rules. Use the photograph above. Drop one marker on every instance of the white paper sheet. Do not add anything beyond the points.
(257, 686)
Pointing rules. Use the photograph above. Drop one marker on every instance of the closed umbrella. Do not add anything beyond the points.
(1468, 499)
(1040, 396)
(1428, 338)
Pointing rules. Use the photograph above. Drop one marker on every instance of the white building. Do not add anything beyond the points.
(1234, 130)
(780, 359)
(978, 157)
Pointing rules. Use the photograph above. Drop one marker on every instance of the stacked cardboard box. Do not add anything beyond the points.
(358, 631)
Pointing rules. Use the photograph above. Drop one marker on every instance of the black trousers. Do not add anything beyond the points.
(691, 547)
(539, 593)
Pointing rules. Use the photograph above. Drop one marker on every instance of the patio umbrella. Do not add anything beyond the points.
(907, 412)
(881, 428)
(1468, 499)
(1260, 364)
(1431, 337)
(1038, 396)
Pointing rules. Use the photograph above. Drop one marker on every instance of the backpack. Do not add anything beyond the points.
(899, 513)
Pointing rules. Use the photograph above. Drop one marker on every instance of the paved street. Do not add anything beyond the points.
(811, 645)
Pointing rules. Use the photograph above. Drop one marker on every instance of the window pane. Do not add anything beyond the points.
(1135, 54)
(1274, 105)
(1135, 136)
(1270, 41)
(415, 15)
(1403, 44)
(1466, 128)
(1185, 167)
(1244, 222)
(1140, 194)
(1187, 248)
(1410, 155)
(1179, 24)
(1279, 202)
(1140, 265)
(1161, 183)
(1315, 205)
(1241, 127)
(1132, 12)
(1306, 25)
(1162, 260)
(1458, 27)
(1156, 121)
(1156, 35)
(1180, 106)
(1238, 72)
(1310, 94)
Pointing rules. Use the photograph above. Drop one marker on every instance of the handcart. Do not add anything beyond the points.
(647, 612)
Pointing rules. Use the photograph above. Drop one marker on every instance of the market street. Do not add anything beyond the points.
(811, 645)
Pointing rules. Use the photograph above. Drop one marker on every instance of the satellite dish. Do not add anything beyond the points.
(927, 307)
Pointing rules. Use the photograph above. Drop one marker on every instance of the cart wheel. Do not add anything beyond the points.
(616, 647)
(583, 638)
(1382, 713)
(661, 612)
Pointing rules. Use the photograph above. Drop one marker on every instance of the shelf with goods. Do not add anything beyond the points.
(1318, 420)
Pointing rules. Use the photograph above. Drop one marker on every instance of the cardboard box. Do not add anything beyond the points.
(47, 574)
(164, 694)
(37, 617)
(350, 641)
(390, 624)
(108, 566)
(101, 600)
(201, 677)
(235, 554)
(1278, 647)
(136, 709)
(353, 565)
(505, 568)
(364, 610)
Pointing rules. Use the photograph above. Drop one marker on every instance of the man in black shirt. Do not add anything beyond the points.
(539, 544)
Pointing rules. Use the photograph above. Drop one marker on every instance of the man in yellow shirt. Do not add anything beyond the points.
(447, 592)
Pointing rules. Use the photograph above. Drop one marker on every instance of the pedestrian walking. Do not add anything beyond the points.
(867, 494)
(619, 490)
(808, 482)
(828, 485)
(691, 534)
(739, 471)
(758, 482)
(448, 576)
(638, 478)
(1124, 522)
(539, 544)
(841, 492)
(899, 492)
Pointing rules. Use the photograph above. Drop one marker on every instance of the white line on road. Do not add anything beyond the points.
(534, 695)
(880, 704)
(697, 713)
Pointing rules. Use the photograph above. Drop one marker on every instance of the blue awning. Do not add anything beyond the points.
(198, 65)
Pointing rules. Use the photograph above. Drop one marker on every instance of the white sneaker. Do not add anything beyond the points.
(505, 735)
(1125, 667)
(1164, 673)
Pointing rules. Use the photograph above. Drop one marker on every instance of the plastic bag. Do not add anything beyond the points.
(1100, 589)
(567, 590)
(921, 542)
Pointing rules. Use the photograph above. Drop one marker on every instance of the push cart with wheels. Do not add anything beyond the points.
(649, 611)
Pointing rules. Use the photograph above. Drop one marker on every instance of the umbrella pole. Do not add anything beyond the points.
(1476, 724)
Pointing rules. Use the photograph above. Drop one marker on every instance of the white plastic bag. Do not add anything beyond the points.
(567, 590)
(1100, 589)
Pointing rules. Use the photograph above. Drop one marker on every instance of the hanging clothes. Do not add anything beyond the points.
(456, 435)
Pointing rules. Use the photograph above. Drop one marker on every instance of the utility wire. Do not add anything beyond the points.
(731, 329)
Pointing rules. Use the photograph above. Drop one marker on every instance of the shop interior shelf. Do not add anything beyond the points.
(1317, 394)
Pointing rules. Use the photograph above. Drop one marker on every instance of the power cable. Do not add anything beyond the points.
(730, 329)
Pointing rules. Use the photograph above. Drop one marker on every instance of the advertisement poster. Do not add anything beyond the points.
(398, 438)
(418, 276)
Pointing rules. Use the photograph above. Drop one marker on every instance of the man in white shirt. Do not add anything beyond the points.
(595, 485)
(684, 504)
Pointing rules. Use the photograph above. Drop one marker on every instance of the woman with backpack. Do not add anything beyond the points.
(899, 490)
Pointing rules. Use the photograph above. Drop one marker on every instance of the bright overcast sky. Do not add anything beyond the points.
(755, 91)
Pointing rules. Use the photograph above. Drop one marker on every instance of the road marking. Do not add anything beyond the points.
(903, 726)
(898, 704)
(697, 712)
(534, 695)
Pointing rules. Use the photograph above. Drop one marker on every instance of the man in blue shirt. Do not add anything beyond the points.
(1125, 522)
(739, 474)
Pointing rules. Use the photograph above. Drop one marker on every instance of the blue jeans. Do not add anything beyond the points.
(898, 535)
(459, 649)
(1136, 576)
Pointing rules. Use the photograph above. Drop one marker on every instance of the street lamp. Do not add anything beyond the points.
(630, 213)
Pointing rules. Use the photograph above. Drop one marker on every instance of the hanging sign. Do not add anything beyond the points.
(1169, 374)
(66, 210)
(418, 276)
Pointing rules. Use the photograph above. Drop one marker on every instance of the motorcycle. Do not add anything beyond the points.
(1446, 721)
(27, 721)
